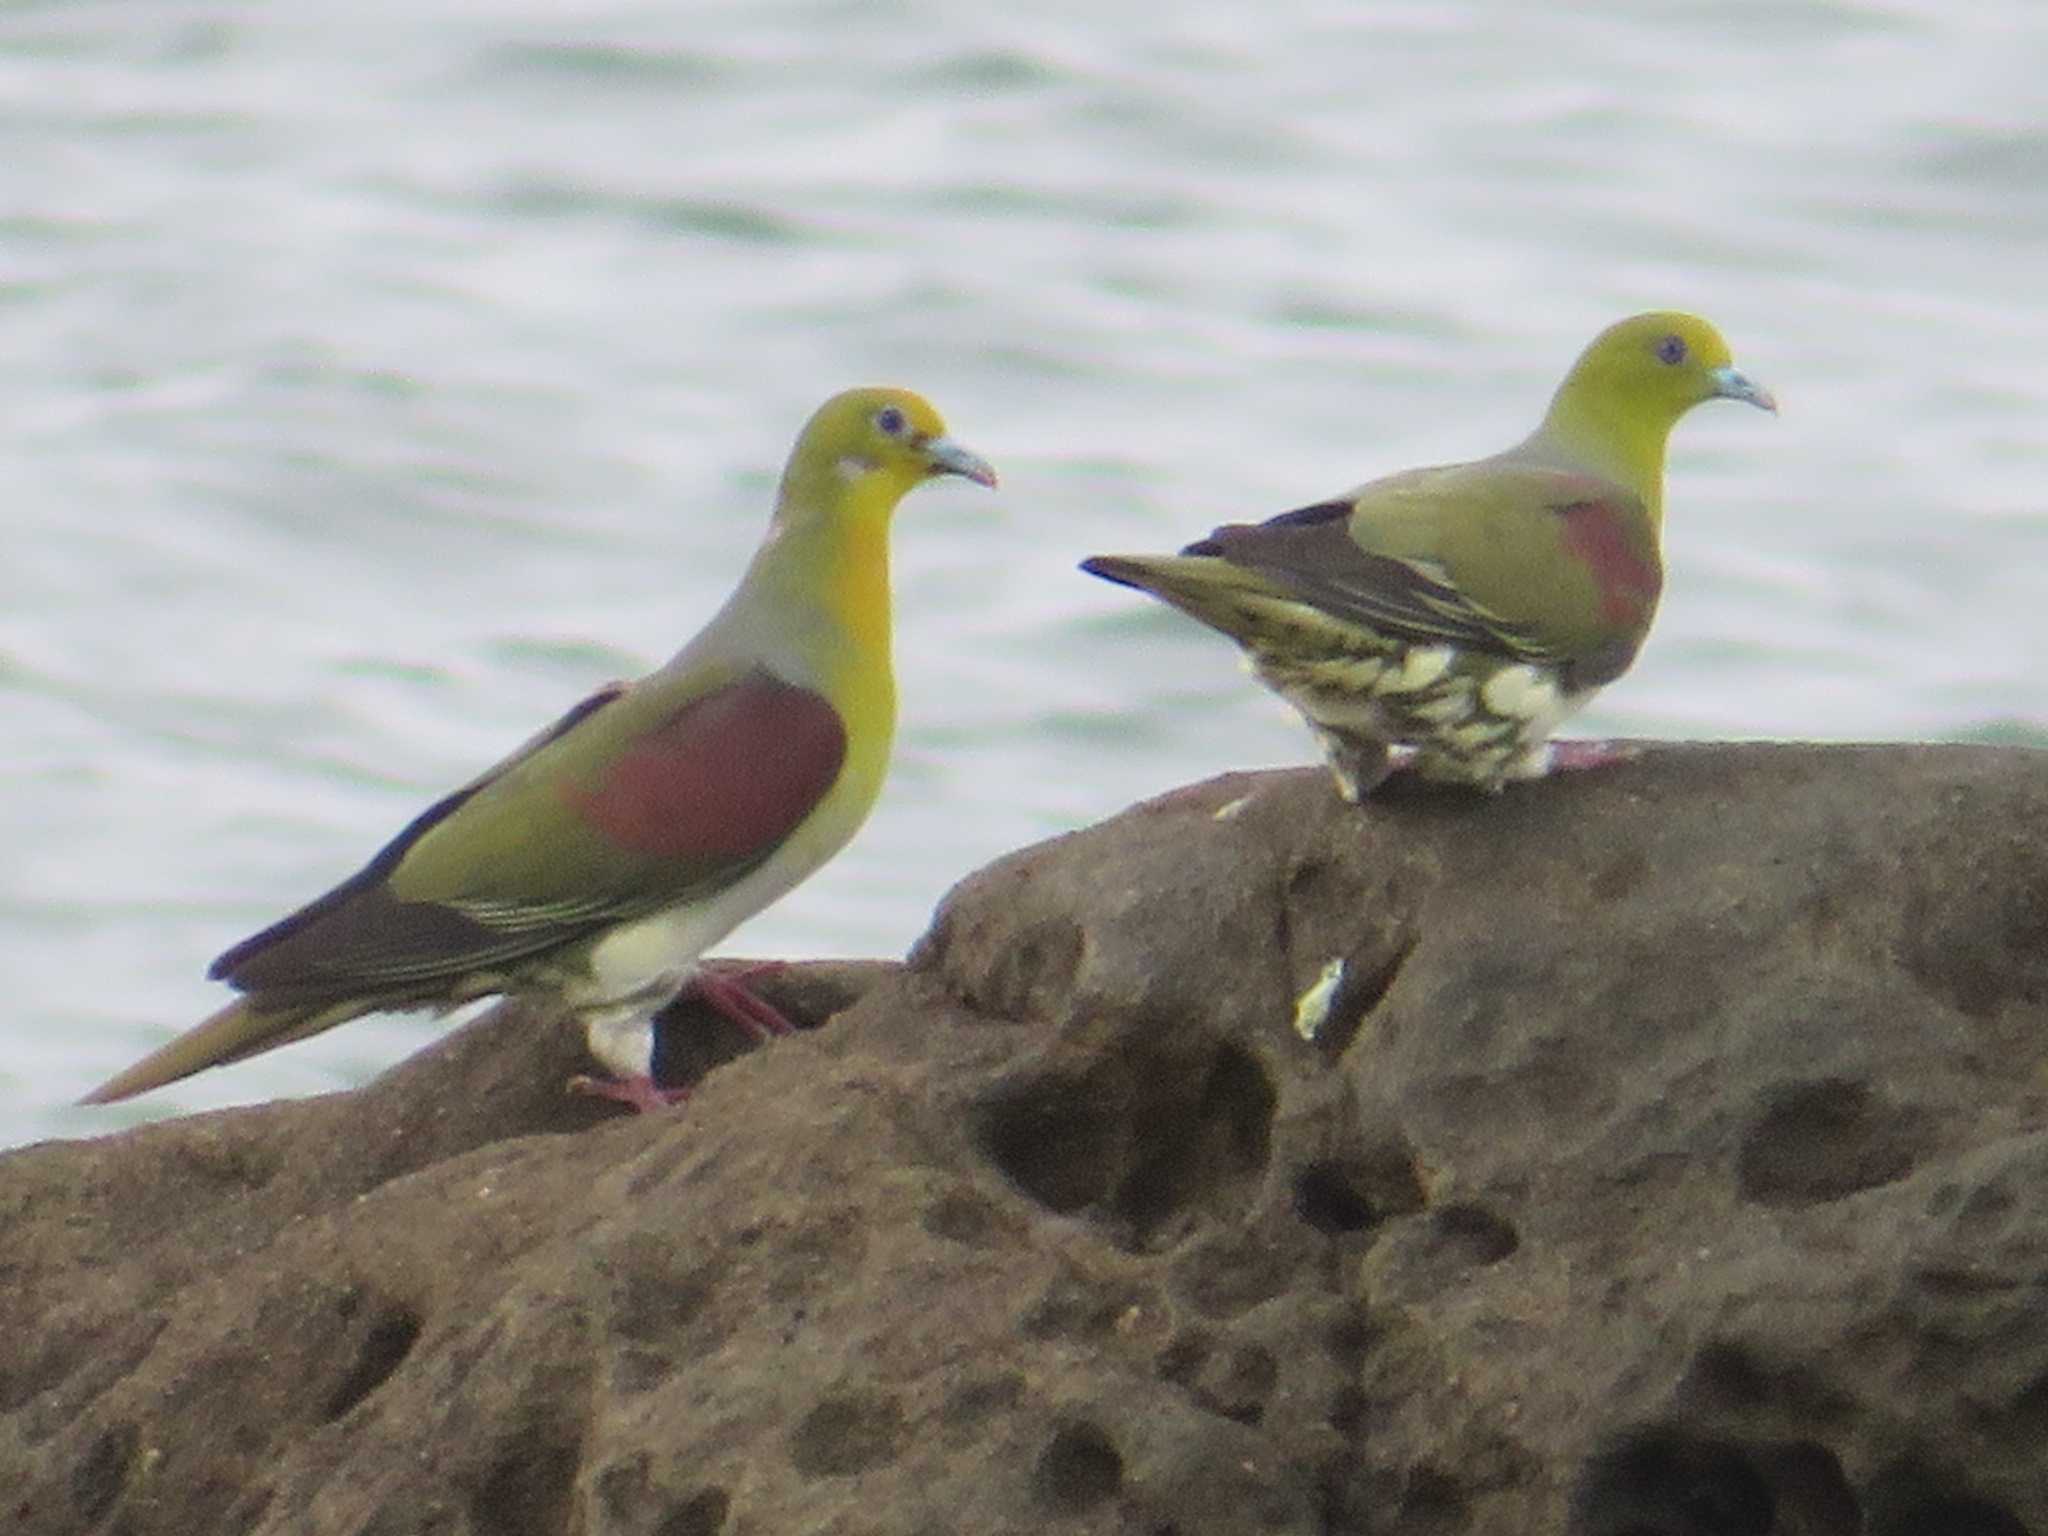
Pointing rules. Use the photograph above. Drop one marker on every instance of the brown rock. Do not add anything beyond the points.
(1669, 1159)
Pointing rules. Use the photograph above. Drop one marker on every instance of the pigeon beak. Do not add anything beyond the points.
(1730, 385)
(950, 458)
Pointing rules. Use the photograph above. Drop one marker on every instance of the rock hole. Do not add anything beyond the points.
(1724, 1378)
(1080, 1310)
(1053, 1135)
(655, 1297)
(1908, 1499)
(528, 1488)
(1361, 1189)
(1306, 881)
(1620, 876)
(1330, 1197)
(963, 1215)
(1824, 1139)
(1349, 1409)
(968, 1408)
(637, 1370)
(1474, 1235)
(1366, 983)
(622, 1489)
(2029, 1411)
(102, 1472)
(1139, 1137)
(1182, 1154)
(1239, 1099)
(388, 1339)
(848, 1433)
(1078, 1469)
(1982, 942)
(702, 1514)
(1230, 1272)
(1184, 1355)
(689, 1037)
(1236, 1386)
(1350, 1336)
(1953, 1517)
(1432, 1503)
(1654, 1481)
(248, 1508)
(1813, 1494)
(397, 1514)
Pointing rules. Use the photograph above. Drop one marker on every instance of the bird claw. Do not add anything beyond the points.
(641, 1094)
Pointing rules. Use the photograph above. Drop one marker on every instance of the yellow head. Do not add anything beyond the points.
(1617, 406)
(1660, 366)
(867, 448)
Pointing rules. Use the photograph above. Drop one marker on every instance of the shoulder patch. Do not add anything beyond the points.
(726, 777)
(1596, 534)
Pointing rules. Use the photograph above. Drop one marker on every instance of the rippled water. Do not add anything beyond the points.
(380, 378)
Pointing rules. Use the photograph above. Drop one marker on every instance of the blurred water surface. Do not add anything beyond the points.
(379, 378)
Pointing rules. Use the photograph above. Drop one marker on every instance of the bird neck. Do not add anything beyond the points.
(1612, 438)
(831, 563)
(857, 592)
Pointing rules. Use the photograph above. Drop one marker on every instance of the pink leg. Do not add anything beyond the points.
(639, 1092)
(1572, 756)
(730, 996)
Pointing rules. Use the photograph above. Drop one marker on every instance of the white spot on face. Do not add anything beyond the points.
(852, 466)
(1312, 1008)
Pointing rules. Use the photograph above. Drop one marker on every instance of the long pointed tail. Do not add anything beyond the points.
(240, 1029)
(1223, 596)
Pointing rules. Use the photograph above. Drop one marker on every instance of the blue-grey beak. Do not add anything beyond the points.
(1730, 385)
(950, 458)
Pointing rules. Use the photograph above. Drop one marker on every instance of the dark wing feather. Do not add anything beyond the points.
(688, 805)
(1311, 555)
(1301, 517)
(406, 925)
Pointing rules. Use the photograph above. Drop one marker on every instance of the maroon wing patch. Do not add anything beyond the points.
(1597, 534)
(728, 776)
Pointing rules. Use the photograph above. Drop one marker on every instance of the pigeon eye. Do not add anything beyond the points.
(891, 421)
(1671, 350)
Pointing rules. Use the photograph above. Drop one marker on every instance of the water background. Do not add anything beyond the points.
(379, 378)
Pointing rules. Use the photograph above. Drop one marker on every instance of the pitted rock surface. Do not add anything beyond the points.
(1669, 1158)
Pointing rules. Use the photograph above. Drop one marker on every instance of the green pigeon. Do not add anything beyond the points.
(598, 861)
(1459, 614)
